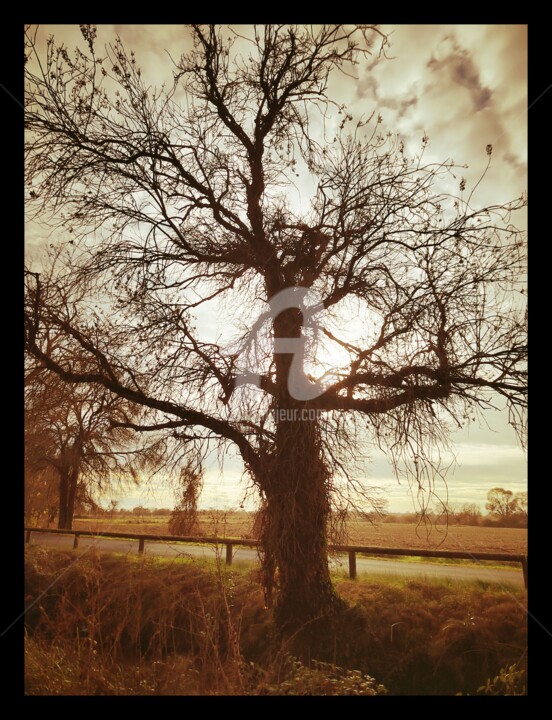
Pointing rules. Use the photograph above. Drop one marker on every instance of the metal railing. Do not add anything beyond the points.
(229, 543)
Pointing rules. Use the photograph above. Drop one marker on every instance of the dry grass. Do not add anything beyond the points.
(359, 532)
(115, 625)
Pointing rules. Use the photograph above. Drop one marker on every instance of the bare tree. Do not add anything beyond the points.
(468, 514)
(522, 504)
(181, 196)
(504, 504)
(75, 435)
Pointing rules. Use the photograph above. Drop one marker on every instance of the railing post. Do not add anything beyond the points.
(141, 546)
(524, 568)
(76, 541)
(352, 564)
(28, 537)
(229, 553)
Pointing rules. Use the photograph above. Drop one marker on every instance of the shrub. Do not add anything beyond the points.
(511, 680)
(322, 679)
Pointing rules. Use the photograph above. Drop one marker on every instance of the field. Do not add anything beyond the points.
(112, 625)
(358, 532)
(455, 537)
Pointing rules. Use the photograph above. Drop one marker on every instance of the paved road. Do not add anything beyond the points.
(249, 556)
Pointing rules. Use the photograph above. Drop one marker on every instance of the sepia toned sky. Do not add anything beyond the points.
(464, 86)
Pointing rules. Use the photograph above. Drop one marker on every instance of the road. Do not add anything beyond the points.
(370, 566)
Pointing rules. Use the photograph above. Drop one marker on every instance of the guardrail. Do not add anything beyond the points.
(229, 543)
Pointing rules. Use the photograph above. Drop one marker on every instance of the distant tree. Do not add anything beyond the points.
(502, 503)
(468, 514)
(141, 510)
(178, 195)
(521, 499)
(442, 513)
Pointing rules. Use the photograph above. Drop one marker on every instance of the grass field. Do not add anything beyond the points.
(112, 625)
(358, 532)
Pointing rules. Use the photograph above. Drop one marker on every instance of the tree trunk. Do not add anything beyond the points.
(63, 495)
(297, 513)
(297, 503)
(67, 492)
(72, 491)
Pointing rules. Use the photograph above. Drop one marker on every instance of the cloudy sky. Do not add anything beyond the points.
(462, 86)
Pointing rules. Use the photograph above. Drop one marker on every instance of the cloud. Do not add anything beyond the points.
(461, 68)
(486, 454)
(463, 85)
